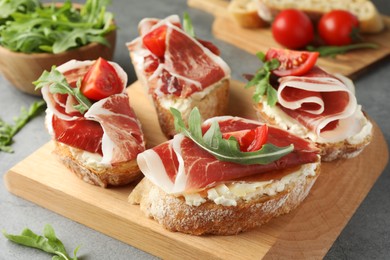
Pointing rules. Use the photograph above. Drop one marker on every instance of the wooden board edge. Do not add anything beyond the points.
(91, 216)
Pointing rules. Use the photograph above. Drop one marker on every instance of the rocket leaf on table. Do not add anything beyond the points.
(48, 242)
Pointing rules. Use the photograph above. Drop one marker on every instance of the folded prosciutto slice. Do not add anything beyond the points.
(171, 62)
(323, 103)
(109, 127)
(181, 166)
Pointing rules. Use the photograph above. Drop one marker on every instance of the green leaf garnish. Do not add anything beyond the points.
(332, 51)
(187, 25)
(58, 85)
(48, 242)
(225, 149)
(28, 26)
(8, 131)
(261, 81)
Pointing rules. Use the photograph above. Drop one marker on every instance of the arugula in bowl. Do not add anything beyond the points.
(28, 26)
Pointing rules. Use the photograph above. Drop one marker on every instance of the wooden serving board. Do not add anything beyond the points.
(307, 232)
(260, 39)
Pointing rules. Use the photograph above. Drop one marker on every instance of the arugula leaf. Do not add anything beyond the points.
(222, 149)
(57, 84)
(48, 242)
(261, 81)
(187, 25)
(39, 28)
(332, 51)
(8, 131)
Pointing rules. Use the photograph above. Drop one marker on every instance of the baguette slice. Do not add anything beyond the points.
(369, 18)
(92, 173)
(346, 149)
(215, 103)
(174, 214)
(245, 13)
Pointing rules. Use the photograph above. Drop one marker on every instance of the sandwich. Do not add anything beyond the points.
(257, 13)
(304, 99)
(95, 131)
(370, 21)
(179, 70)
(224, 176)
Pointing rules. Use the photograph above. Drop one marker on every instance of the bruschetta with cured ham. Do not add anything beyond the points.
(224, 176)
(306, 100)
(179, 70)
(95, 130)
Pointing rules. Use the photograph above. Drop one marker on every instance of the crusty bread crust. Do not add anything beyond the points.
(210, 218)
(116, 175)
(329, 151)
(213, 104)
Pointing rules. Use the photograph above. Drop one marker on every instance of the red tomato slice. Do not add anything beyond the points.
(250, 140)
(101, 81)
(292, 63)
(155, 41)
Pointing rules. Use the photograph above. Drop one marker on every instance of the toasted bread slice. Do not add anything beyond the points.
(176, 213)
(94, 173)
(214, 103)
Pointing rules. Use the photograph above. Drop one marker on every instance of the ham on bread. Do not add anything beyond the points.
(101, 145)
(179, 70)
(320, 107)
(186, 189)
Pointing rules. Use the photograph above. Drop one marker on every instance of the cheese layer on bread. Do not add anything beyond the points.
(228, 194)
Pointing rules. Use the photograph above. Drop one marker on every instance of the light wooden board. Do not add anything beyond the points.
(260, 39)
(307, 232)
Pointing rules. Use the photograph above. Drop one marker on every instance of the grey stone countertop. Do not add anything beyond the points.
(366, 236)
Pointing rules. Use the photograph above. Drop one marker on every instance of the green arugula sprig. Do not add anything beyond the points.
(8, 131)
(332, 51)
(187, 25)
(48, 242)
(57, 84)
(30, 27)
(261, 81)
(225, 149)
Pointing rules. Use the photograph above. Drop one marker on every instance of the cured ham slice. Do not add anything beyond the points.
(122, 138)
(109, 127)
(323, 103)
(181, 166)
(186, 66)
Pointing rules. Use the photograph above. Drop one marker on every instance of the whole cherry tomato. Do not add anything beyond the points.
(338, 27)
(293, 29)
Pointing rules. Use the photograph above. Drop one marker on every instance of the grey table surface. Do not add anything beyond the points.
(366, 236)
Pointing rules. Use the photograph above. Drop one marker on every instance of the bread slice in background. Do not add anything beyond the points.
(370, 21)
(214, 103)
(245, 13)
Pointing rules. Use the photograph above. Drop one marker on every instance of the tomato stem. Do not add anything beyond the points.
(332, 51)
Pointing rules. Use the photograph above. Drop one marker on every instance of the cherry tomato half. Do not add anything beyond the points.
(293, 29)
(292, 63)
(337, 27)
(155, 41)
(250, 140)
(101, 81)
